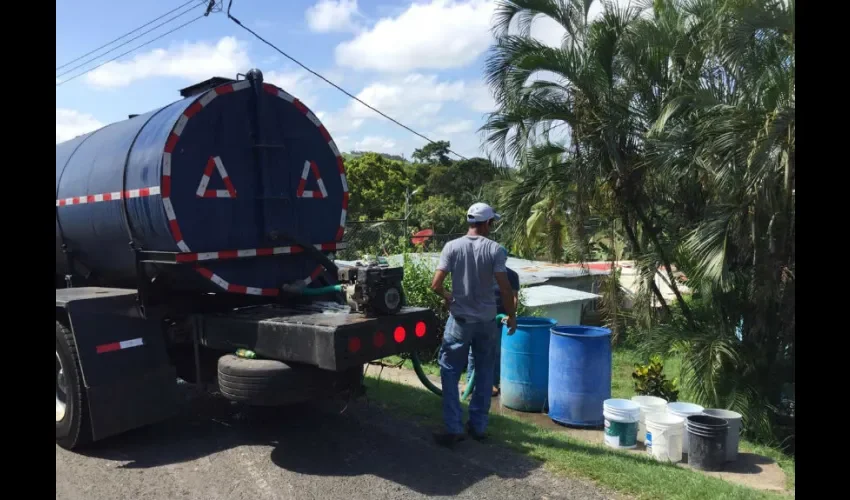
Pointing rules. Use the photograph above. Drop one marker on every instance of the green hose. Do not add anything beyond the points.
(470, 385)
(420, 373)
(311, 292)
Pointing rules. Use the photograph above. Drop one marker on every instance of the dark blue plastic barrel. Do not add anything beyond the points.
(525, 364)
(219, 177)
(579, 374)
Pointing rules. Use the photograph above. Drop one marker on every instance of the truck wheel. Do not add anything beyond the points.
(73, 428)
(266, 382)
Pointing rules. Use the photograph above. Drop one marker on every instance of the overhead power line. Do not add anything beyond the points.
(332, 84)
(131, 50)
(199, 2)
(89, 61)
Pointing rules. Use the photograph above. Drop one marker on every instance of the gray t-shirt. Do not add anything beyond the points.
(472, 261)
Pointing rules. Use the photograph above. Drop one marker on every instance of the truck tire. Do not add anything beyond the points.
(73, 427)
(266, 382)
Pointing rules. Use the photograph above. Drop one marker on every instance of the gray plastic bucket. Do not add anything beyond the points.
(734, 435)
(706, 442)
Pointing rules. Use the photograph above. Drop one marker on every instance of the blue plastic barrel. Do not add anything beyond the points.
(579, 374)
(525, 364)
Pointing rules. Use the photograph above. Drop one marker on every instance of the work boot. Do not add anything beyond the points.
(448, 439)
(478, 436)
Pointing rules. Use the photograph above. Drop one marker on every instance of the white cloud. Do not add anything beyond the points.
(339, 122)
(297, 83)
(71, 123)
(375, 143)
(453, 128)
(437, 35)
(414, 99)
(548, 31)
(480, 98)
(189, 61)
(332, 15)
(462, 134)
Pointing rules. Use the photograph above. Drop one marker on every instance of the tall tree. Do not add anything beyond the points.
(462, 181)
(378, 186)
(434, 152)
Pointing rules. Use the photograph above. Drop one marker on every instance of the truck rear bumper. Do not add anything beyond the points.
(331, 340)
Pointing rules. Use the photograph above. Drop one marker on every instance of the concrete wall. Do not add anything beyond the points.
(564, 314)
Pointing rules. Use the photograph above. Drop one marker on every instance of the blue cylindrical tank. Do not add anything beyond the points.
(218, 177)
(579, 374)
(525, 364)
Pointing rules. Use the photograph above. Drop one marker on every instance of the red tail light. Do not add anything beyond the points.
(399, 334)
(420, 329)
(379, 340)
(354, 344)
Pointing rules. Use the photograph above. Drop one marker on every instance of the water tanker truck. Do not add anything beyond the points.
(204, 227)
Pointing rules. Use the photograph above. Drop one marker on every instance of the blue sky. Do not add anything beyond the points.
(420, 62)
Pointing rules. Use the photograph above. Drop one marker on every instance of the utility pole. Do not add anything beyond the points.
(407, 195)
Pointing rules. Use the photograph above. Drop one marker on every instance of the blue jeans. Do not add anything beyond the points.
(458, 338)
(497, 370)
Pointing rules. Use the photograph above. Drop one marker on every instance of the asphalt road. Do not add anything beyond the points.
(216, 450)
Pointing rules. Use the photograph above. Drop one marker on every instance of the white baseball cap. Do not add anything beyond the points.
(481, 212)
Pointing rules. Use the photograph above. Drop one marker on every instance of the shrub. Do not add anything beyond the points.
(523, 310)
(418, 274)
(650, 381)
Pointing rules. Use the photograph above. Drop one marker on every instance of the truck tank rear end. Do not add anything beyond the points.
(217, 180)
(237, 195)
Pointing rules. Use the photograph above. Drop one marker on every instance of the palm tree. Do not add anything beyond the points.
(538, 200)
(738, 121)
(681, 127)
(597, 91)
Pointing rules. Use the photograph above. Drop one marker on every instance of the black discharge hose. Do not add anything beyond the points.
(420, 373)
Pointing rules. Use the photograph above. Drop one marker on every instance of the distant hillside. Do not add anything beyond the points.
(355, 154)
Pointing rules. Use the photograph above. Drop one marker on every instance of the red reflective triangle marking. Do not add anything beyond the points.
(310, 166)
(214, 163)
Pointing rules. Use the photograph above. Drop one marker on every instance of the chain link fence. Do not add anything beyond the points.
(379, 237)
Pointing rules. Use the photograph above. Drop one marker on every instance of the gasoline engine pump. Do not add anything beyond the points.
(373, 287)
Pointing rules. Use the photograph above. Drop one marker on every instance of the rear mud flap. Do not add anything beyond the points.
(125, 366)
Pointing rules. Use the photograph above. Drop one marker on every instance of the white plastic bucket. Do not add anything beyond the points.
(664, 435)
(684, 410)
(649, 405)
(734, 434)
(621, 423)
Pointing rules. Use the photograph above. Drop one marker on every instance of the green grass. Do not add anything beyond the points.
(622, 365)
(429, 368)
(622, 387)
(634, 475)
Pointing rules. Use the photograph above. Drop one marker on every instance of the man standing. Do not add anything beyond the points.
(474, 261)
(513, 278)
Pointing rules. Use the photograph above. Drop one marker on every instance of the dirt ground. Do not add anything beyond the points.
(750, 470)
